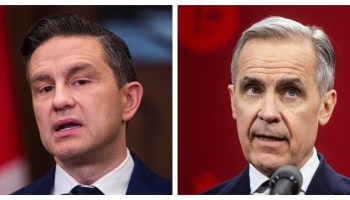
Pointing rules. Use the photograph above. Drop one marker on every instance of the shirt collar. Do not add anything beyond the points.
(307, 171)
(114, 183)
(256, 178)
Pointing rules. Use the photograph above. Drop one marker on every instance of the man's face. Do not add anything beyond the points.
(277, 104)
(78, 106)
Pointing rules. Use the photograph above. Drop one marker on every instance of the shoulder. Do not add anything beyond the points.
(343, 185)
(144, 181)
(340, 183)
(42, 186)
(237, 185)
(327, 181)
(220, 188)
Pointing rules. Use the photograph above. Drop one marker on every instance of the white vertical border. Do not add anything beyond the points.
(175, 99)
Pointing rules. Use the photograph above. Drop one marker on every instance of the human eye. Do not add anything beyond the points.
(80, 82)
(291, 93)
(253, 90)
(45, 89)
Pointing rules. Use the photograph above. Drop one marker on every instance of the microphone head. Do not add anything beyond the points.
(286, 173)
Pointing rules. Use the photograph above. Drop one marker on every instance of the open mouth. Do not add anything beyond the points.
(270, 138)
(66, 125)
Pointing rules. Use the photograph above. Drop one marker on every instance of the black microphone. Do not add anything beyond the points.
(286, 180)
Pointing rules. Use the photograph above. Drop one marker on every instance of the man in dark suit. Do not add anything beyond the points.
(282, 90)
(84, 91)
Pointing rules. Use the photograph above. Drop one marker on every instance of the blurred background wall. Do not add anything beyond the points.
(148, 32)
(209, 150)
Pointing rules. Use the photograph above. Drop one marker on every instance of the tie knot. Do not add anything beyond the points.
(82, 190)
(263, 187)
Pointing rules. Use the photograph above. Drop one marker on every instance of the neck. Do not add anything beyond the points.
(88, 168)
(86, 173)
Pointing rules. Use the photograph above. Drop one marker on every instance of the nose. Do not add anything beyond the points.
(269, 110)
(62, 99)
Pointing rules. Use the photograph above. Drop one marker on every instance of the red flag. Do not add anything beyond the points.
(13, 173)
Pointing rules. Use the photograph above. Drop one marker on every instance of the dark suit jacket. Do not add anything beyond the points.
(325, 181)
(143, 181)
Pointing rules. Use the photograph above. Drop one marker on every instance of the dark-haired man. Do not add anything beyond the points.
(84, 91)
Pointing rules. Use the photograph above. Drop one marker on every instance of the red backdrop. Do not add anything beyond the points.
(209, 151)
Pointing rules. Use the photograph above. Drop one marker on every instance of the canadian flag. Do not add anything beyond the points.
(13, 168)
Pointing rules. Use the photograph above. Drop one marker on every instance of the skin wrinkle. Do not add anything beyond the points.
(82, 86)
(280, 63)
(37, 67)
(278, 67)
(73, 72)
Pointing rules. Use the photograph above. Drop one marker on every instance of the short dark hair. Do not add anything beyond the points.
(116, 51)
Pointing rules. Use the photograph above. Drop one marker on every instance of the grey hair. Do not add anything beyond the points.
(285, 29)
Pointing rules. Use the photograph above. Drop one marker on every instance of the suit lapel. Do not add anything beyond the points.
(48, 182)
(136, 186)
(43, 186)
(324, 180)
(144, 181)
(239, 185)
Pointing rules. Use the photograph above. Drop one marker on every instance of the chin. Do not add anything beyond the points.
(267, 164)
(67, 155)
(64, 152)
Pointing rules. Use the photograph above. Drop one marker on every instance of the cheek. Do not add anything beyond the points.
(42, 114)
(302, 141)
(107, 123)
(303, 126)
(245, 116)
(101, 110)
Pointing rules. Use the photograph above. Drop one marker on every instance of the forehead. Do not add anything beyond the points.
(273, 57)
(61, 50)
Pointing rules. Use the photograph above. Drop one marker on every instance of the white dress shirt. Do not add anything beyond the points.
(114, 183)
(308, 171)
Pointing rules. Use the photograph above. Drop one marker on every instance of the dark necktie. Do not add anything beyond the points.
(263, 187)
(81, 190)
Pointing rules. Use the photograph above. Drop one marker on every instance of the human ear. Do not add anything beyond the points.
(133, 94)
(231, 91)
(328, 103)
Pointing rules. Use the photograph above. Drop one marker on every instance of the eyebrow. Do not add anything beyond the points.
(41, 77)
(79, 67)
(281, 84)
(289, 82)
(246, 81)
(249, 81)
